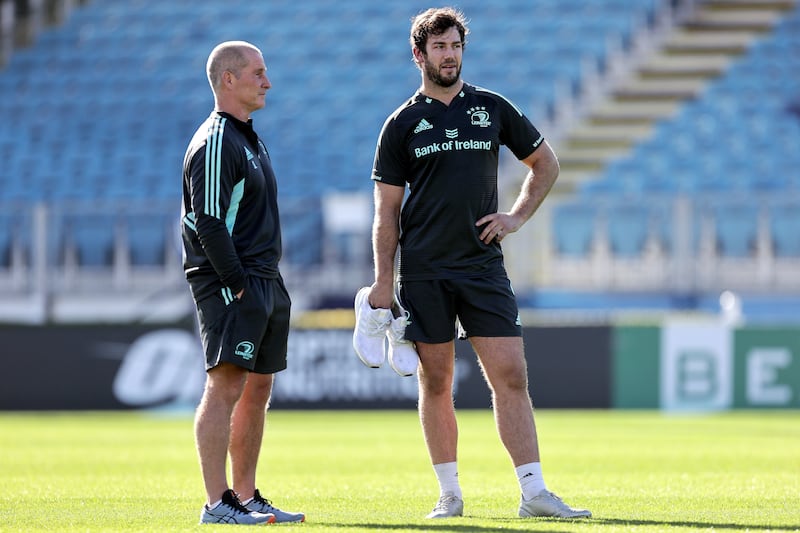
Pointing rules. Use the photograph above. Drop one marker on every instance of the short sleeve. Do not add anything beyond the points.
(391, 161)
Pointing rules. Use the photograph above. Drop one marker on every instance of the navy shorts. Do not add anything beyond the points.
(253, 332)
(484, 307)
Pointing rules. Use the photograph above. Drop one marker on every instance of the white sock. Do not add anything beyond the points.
(214, 504)
(447, 475)
(531, 481)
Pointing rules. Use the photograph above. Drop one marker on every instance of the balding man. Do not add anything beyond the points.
(231, 249)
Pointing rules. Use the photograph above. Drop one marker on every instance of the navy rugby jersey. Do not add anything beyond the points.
(449, 157)
(230, 223)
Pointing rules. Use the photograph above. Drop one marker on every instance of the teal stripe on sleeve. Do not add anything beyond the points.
(236, 198)
(218, 169)
(208, 163)
(213, 166)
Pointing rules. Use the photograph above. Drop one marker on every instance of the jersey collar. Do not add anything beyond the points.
(419, 97)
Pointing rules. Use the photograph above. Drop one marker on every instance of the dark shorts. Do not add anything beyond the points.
(484, 307)
(253, 332)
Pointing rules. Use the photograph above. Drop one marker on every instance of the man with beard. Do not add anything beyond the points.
(444, 143)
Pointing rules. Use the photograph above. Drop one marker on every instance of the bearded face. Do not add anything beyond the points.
(440, 61)
(444, 73)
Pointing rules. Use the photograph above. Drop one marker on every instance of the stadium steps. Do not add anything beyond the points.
(699, 48)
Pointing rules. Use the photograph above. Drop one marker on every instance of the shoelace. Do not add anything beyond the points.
(401, 321)
(398, 326)
(257, 497)
(443, 502)
(560, 502)
(404, 316)
(236, 504)
(372, 327)
(555, 497)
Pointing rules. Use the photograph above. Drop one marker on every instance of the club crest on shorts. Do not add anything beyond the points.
(245, 350)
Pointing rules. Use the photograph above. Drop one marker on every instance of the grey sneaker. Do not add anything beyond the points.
(403, 356)
(548, 504)
(231, 511)
(260, 504)
(448, 505)
(369, 334)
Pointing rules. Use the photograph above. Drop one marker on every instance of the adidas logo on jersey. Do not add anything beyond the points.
(423, 125)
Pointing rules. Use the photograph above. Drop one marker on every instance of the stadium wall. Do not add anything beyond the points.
(673, 365)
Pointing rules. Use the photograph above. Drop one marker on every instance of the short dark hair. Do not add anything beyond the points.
(436, 21)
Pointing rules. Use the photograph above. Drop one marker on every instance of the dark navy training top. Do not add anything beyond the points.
(448, 156)
(230, 223)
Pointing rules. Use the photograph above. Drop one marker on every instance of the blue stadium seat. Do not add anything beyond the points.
(785, 229)
(147, 235)
(301, 218)
(8, 225)
(93, 237)
(573, 228)
(736, 229)
(628, 228)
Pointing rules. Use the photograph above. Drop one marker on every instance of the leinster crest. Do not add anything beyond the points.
(479, 116)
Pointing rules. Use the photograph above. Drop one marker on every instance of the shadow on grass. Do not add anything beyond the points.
(540, 525)
(454, 525)
(686, 523)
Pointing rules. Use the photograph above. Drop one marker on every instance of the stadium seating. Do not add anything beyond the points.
(91, 236)
(130, 89)
(573, 228)
(148, 237)
(7, 231)
(686, 154)
(16, 235)
(100, 110)
(736, 229)
(785, 229)
(729, 160)
(628, 229)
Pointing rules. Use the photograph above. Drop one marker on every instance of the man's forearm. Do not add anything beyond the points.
(385, 236)
(537, 185)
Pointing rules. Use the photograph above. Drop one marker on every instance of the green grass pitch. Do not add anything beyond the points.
(368, 471)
